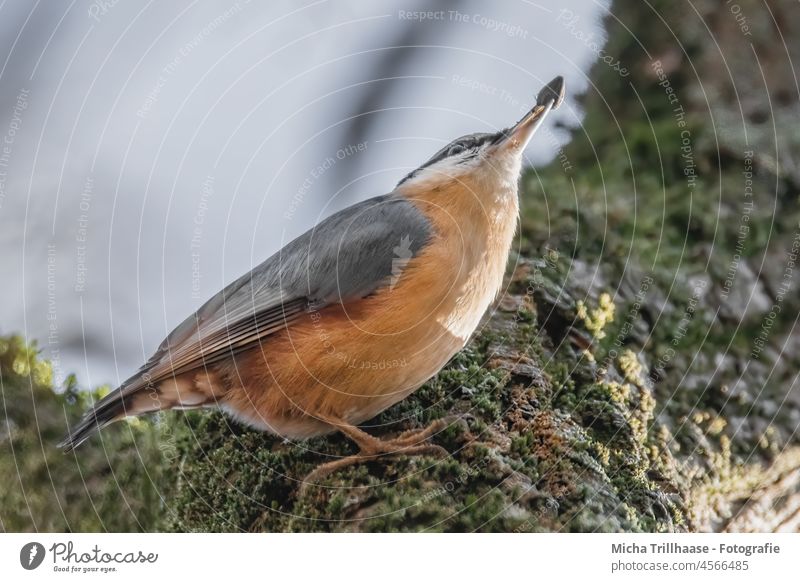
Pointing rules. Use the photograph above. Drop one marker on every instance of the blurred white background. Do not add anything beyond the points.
(156, 151)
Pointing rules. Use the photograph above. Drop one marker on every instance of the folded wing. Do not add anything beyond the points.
(346, 257)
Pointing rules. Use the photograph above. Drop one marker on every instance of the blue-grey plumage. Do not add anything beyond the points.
(404, 275)
(346, 257)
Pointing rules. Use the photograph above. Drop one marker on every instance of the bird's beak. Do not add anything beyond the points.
(550, 97)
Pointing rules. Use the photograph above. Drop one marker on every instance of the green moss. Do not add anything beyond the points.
(114, 485)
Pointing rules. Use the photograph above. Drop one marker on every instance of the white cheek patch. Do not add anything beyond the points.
(444, 171)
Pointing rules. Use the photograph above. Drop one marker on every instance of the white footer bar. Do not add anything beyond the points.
(406, 557)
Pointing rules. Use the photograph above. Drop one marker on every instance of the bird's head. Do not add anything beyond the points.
(486, 160)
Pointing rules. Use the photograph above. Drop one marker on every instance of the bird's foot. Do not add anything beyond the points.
(419, 435)
(409, 443)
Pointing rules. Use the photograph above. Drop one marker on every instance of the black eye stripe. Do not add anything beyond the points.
(457, 147)
(470, 156)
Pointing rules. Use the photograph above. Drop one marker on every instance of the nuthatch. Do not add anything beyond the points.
(355, 314)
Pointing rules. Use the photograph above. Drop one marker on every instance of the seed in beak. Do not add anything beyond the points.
(552, 92)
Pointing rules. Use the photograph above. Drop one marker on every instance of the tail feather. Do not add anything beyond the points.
(114, 406)
(102, 414)
(139, 396)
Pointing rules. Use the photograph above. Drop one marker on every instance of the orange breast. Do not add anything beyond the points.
(352, 361)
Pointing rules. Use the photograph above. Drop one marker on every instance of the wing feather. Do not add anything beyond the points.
(347, 256)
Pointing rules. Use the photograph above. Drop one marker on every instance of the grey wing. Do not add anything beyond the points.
(349, 255)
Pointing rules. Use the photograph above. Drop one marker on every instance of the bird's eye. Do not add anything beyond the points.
(455, 149)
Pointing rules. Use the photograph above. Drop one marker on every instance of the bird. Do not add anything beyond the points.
(355, 314)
